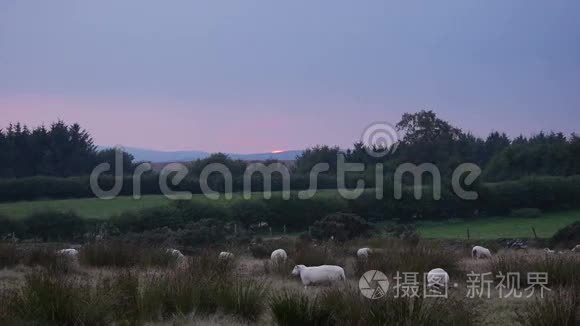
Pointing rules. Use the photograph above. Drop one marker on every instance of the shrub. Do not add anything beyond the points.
(559, 307)
(280, 268)
(567, 237)
(562, 270)
(54, 225)
(147, 219)
(201, 233)
(9, 226)
(9, 256)
(44, 256)
(296, 214)
(295, 308)
(419, 311)
(120, 254)
(50, 299)
(340, 226)
(526, 212)
(403, 258)
(250, 212)
(243, 298)
(319, 255)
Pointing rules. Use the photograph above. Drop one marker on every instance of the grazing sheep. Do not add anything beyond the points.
(180, 259)
(279, 255)
(576, 249)
(70, 257)
(319, 274)
(363, 253)
(549, 251)
(437, 278)
(224, 255)
(480, 252)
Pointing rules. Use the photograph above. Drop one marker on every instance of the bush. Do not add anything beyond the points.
(414, 259)
(319, 255)
(49, 299)
(419, 311)
(243, 298)
(526, 212)
(295, 308)
(560, 307)
(203, 232)
(562, 269)
(340, 226)
(147, 219)
(250, 212)
(9, 256)
(280, 268)
(54, 225)
(122, 255)
(9, 227)
(567, 237)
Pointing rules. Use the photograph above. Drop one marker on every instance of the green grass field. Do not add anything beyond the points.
(500, 227)
(99, 208)
(485, 228)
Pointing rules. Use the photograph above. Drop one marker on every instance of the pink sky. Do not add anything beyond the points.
(165, 124)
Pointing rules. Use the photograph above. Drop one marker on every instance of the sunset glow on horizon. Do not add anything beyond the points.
(245, 77)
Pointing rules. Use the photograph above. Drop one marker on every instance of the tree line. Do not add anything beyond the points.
(59, 150)
(62, 150)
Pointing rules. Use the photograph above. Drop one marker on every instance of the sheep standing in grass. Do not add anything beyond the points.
(437, 278)
(363, 253)
(576, 249)
(180, 259)
(319, 274)
(224, 255)
(480, 252)
(69, 257)
(549, 251)
(278, 256)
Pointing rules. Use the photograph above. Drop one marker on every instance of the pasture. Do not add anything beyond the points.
(481, 228)
(250, 290)
(102, 209)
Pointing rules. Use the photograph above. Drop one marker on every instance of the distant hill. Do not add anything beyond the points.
(149, 155)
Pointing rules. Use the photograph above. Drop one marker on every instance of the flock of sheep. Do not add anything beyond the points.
(550, 251)
(312, 275)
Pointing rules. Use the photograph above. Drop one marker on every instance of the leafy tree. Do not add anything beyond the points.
(236, 167)
(318, 154)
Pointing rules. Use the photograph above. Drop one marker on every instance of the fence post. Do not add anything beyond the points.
(535, 234)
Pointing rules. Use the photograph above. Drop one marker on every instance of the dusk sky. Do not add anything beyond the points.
(255, 76)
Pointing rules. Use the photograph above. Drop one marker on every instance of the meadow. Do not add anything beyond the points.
(494, 227)
(116, 283)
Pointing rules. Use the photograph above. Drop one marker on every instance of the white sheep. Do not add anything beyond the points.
(279, 255)
(576, 249)
(224, 255)
(363, 253)
(437, 278)
(180, 259)
(68, 256)
(480, 252)
(549, 251)
(319, 274)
